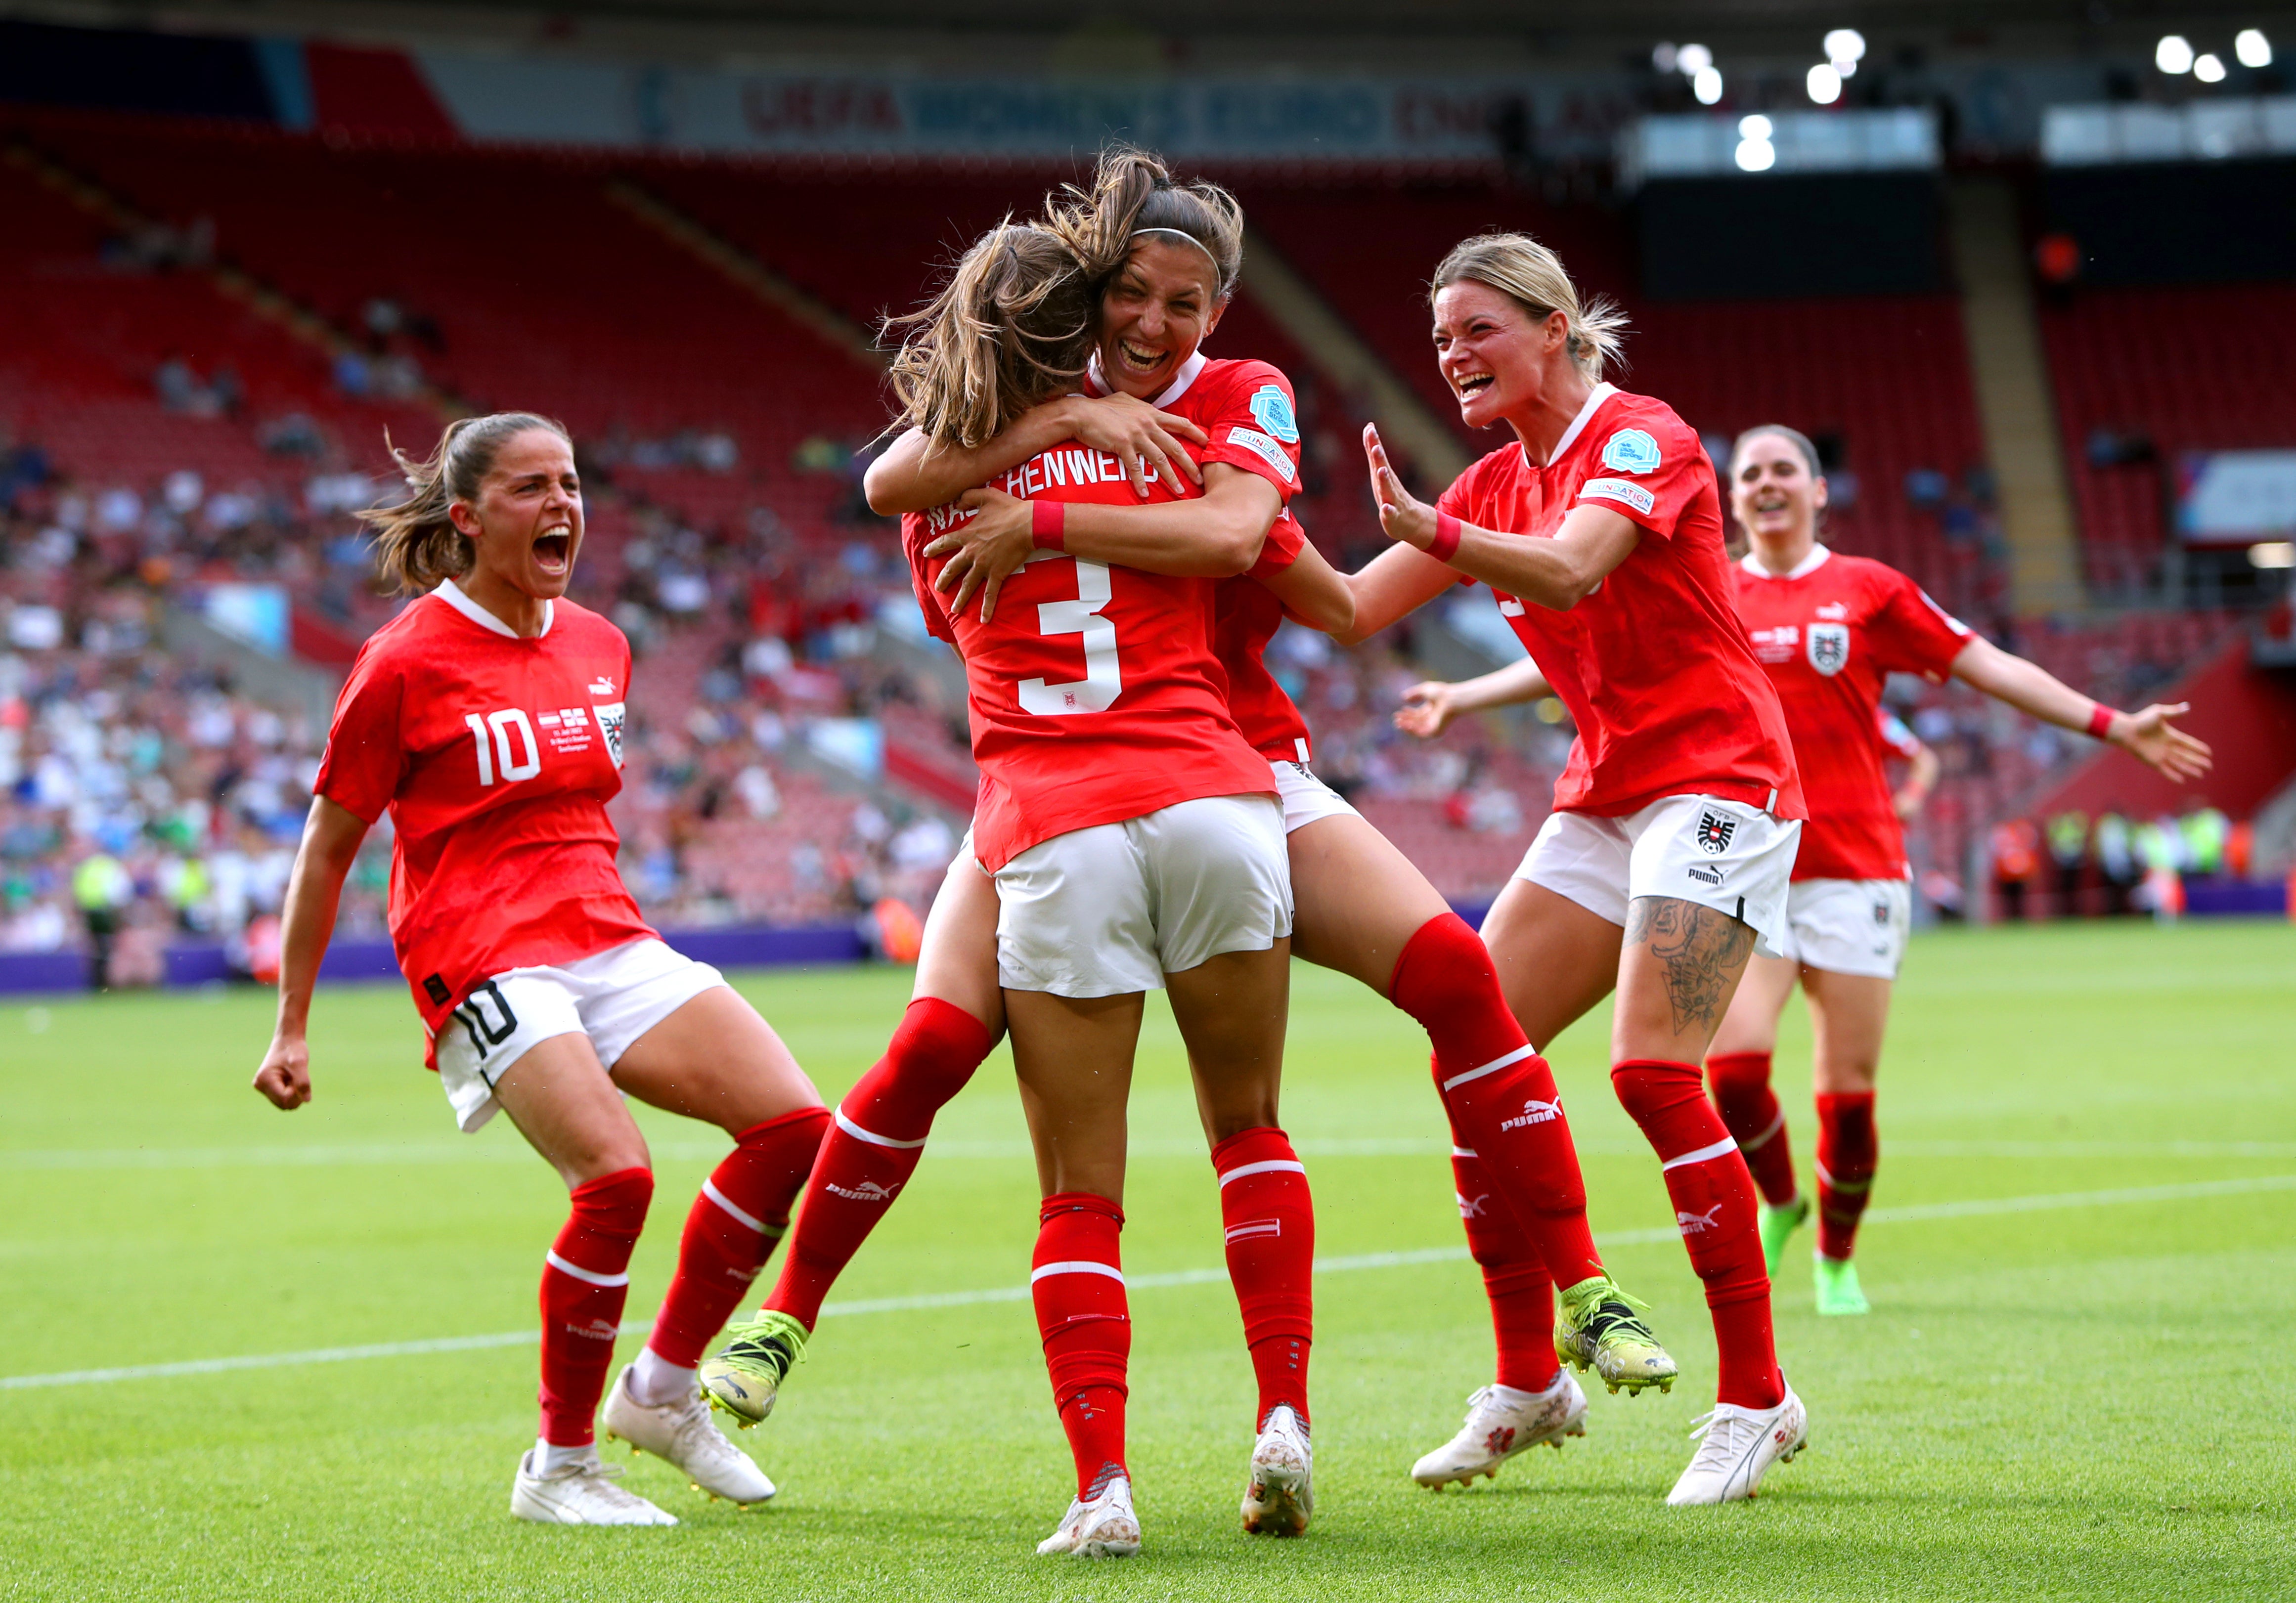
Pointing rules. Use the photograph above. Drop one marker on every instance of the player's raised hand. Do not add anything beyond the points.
(1427, 710)
(285, 1076)
(1402, 515)
(2151, 738)
(1146, 441)
(984, 551)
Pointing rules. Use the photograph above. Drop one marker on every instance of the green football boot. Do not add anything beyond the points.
(1598, 1327)
(1837, 1287)
(1779, 1223)
(746, 1374)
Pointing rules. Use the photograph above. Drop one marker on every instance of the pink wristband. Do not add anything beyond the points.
(2100, 720)
(1047, 521)
(1445, 545)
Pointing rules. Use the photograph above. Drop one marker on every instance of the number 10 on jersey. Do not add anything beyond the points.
(500, 724)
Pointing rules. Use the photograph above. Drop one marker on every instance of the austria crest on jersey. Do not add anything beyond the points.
(611, 715)
(1714, 832)
(1829, 648)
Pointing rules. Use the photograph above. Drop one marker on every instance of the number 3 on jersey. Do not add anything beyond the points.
(514, 768)
(1103, 678)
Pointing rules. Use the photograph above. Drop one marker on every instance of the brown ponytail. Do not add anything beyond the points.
(416, 543)
(1012, 329)
(1133, 191)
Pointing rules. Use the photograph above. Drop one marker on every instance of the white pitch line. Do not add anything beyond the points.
(1916, 1213)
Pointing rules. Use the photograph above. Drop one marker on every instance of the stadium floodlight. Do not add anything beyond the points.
(1756, 127)
(1845, 44)
(1824, 85)
(2173, 54)
(2208, 68)
(1757, 155)
(1706, 85)
(2250, 48)
(2273, 553)
(1692, 59)
(1663, 57)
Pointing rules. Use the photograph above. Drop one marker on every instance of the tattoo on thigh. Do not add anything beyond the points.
(1700, 950)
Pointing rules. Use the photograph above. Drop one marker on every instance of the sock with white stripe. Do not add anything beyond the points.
(1522, 1293)
(1077, 1282)
(1499, 1092)
(584, 1282)
(1713, 1197)
(1740, 1082)
(742, 1211)
(880, 1130)
(1269, 1220)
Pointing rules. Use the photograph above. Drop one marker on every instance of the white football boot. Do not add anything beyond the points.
(581, 1493)
(1105, 1527)
(1741, 1445)
(1501, 1422)
(684, 1432)
(1281, 1497)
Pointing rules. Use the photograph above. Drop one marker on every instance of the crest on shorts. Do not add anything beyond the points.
(1714, 832)
(1829, 648)
(611, 719)
(1271, 408)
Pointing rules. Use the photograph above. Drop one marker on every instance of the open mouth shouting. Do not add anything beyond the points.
(554, 549)
(1468, 386)
(1138, 359)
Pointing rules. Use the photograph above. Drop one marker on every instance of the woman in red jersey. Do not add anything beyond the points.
(1362, 908)
(486, 720)
(1830, 628)
(1134, 841)
(1599, 527)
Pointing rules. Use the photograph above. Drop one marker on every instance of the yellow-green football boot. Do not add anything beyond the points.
(746, 1374)
(1598, 1327)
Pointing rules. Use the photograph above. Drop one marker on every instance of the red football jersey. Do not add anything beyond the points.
(496, 757)
(1146, 724)
(1245, 617)
(1830, 633)
(1653, 665)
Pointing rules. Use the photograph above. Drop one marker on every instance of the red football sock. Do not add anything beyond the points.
(1714, 1206)
(1514, 1277)
(1270, 1223)
(1077, 1285)
(1741, 1082)
(585, 1279)
(881, 1126)
(1498, 1092)
(743, 1209)
(1847, 1151)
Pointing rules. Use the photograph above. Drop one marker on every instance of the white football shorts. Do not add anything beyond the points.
(1305, 797)
(1848, 925)
(612, 996)
(1723, 854)
(1112, 909)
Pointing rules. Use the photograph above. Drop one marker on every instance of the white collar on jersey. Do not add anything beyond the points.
(452, 595)
(1594, 400)
(1809, 565)
(1096, 381)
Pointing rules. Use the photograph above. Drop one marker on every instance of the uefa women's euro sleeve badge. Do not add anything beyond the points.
(1271, 409)
(1631, 451)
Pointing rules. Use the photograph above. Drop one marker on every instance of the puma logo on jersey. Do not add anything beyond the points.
(1834, 609)
(601, 686)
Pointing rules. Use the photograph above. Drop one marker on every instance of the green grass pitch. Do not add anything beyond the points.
(2078, 1399)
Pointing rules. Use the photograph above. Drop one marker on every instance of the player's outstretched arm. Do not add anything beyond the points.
(330, 841)
(1313, 591)
(914, 475)
(2148, 736)
(1430, 705)
(1556, 574)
